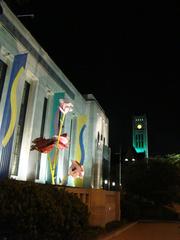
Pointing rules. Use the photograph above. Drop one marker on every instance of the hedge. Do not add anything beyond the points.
(40, 211)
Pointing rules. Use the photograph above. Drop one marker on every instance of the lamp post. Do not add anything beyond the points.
(120, 166)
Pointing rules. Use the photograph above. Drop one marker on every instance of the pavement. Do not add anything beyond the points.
(146, 230)
(116, 233)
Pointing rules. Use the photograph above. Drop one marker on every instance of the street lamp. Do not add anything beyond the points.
(113, 184)
(105, 181)
(120, 167)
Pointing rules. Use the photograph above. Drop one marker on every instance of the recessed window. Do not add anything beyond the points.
(41, 134)
(20, 130)
(98, 136)
(3, 68)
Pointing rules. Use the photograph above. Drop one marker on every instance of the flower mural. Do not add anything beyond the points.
(44, 145)
(51, 146)
(65, 107)
(63, 141)
(76, 170)
(56, 143)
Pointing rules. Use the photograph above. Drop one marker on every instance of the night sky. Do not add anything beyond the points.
(124, 54)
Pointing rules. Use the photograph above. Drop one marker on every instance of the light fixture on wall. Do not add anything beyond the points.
(49, 91)
(113, 184)
(106, 181)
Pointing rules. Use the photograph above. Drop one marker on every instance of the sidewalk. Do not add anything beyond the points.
(115, 233)
(146, 230)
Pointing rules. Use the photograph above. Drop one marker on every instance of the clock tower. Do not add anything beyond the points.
(140, 136)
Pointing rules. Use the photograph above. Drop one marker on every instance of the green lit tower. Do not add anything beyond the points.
(140, 135)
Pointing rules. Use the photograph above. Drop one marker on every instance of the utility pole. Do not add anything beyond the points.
(120, 167)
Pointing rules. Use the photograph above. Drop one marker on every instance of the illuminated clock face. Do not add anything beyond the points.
(139, 126)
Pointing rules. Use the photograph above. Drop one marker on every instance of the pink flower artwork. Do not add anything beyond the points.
(44, 145)
(76, 170)
(63, 141)
(65, 107)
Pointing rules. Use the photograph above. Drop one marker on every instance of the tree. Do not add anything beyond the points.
(158, 181)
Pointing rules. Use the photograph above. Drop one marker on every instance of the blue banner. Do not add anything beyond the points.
(10, 114)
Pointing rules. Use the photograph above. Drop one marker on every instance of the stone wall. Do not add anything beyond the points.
(104, 206)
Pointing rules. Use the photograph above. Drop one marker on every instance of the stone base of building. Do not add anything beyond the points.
(104, 206)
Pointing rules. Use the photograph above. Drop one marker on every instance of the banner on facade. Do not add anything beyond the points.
(10, 113)
(79, 145)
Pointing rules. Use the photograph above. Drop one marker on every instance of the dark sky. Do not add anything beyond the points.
(125, 54)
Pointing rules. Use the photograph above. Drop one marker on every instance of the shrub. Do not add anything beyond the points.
(135, 207)
(36, 211)
(111, 226)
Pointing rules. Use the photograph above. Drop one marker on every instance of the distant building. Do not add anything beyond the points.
(31, 85)
(140, 134)
(136, 152)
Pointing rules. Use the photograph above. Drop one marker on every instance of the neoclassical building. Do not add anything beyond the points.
(31, 86)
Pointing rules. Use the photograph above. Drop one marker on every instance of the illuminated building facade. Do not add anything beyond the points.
(140, 134)
(31, 85)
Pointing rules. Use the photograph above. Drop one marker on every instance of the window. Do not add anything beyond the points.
(98, 136)
(142, 140)
(3, 68)
(20, 129)
(136, 136)
(38, 163)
